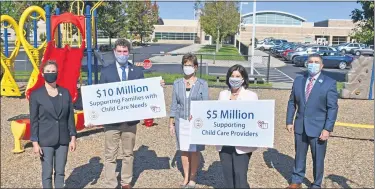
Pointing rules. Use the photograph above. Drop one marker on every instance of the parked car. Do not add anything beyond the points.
(102, 48)
(363, 51)
(346, 47)
(265, 46)
(278, 51)
(331, 59)
(278, 43)
(297, 47)
(309, 50)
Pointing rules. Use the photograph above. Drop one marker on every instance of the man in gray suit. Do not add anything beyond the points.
(315, 97)
(124, 133)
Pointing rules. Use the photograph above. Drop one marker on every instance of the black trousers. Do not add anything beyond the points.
(235, 167)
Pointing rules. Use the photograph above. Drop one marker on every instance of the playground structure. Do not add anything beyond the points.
(360, 80)
(8, 84)
(68, 58)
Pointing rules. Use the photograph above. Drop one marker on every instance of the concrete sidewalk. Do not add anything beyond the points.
(261, 58)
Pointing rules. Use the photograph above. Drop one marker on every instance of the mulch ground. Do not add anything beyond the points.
(349, 160)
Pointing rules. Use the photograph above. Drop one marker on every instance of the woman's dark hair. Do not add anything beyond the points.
(189, 57)
(243, 73)
(50, 62)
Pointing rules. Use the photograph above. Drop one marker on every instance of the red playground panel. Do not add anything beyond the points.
(68, 59)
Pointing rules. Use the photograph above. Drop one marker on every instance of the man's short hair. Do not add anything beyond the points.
(123, 43)
(316, 56)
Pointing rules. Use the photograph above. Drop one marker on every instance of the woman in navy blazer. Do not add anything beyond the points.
(53, 131)
(184, 91)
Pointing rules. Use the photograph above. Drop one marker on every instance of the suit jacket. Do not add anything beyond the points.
(180, 107)
(319, 111)
(49, 128)
(243, 95)
(109, 74)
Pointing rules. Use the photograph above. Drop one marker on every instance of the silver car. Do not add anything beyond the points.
(346, 47)
(309, 50)
(363, 51)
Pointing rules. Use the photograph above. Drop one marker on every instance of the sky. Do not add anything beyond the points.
(311, 11)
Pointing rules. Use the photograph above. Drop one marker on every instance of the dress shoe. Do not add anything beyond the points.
(126, 186)
(294, 186)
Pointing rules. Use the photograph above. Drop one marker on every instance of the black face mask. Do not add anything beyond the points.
(50, 77)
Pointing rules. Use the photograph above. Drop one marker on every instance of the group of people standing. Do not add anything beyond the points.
(53, 132)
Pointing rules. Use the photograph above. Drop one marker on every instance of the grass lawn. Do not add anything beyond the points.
(340, 86)
(168, 78)
(227, 52)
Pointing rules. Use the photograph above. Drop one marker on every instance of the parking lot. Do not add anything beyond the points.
(337, 59)
(22, 62)
(285, 74)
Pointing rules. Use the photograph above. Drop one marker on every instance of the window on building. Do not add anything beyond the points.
(336, 40)
(207, 37)
(175, 36)
(272, 18)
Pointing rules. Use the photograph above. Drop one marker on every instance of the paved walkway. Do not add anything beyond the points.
(261, 58)
(191, 48)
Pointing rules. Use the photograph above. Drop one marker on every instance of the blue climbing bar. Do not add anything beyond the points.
(35, 30)
(57, 10)
(96, 48)
(6, 42)
(48, 22)
(88, 45)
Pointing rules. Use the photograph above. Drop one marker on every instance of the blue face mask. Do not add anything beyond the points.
(313, 68)
(122, 59)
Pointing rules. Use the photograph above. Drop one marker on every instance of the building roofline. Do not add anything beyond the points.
(280, 12)
(334, 19)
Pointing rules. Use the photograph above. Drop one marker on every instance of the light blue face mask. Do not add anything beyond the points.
(122, 59)
(313, 68)
(235, 83)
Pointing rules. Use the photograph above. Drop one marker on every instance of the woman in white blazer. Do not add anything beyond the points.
(235, 159)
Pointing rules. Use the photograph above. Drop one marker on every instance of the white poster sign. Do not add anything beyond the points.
(233, 123)
(123, 101)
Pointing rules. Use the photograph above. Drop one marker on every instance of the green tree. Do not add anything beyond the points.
(364, 20)
(220, 19)
(15, 9)
(142, 15)
(112, 19)
(42, 36)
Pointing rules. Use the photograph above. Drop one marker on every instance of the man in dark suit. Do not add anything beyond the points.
(120, 70)
(315, 97)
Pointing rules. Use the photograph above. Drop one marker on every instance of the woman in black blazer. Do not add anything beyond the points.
(53, 131)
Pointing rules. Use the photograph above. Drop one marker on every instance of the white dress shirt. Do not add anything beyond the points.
(308, 80)
(243, 95)
(119, 70)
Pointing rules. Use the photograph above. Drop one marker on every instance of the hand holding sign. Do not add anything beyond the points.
(123, 101)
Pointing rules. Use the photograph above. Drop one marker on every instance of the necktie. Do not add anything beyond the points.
(309, 87)
(123, 73)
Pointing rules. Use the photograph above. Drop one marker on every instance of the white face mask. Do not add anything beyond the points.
(188, 70)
